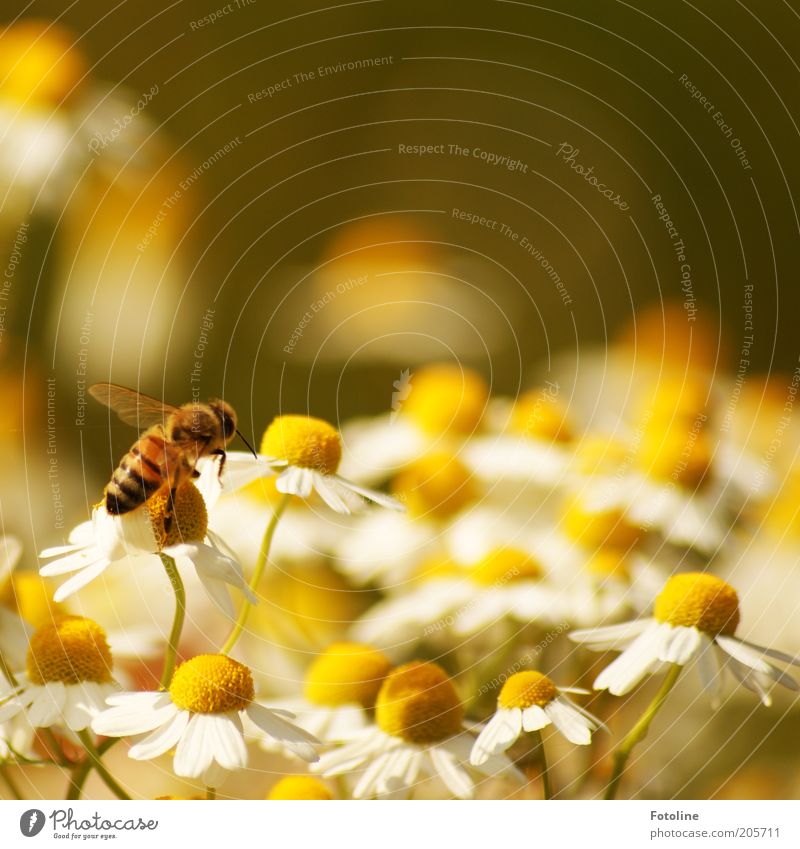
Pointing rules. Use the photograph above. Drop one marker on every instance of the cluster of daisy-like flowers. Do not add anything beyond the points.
(393, 605)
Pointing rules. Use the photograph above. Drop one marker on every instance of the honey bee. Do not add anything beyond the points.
(168, 450)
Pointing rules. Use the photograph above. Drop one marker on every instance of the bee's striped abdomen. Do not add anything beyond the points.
(139, 475)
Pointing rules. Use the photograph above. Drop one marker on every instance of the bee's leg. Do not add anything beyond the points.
(220, 452)
(169, 512)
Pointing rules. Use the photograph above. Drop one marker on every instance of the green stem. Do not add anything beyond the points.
(81, 772)
(547, 787)
(261, 563)
(171, 654)
(639, 731)
(97, 764)
(10, 783)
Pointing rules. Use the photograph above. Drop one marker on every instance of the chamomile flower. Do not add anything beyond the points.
(201, 717)
(418, 732)
(532, 442)
(433, 488)
(67, 676)
(106, 539)
(530, 701)
(436, 407)
(695, 615)
(305, 454)
(340, 685)
(507, 583)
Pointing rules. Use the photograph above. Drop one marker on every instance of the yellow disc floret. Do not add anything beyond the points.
(524, 689)
(419, 703)
(70, 650)
(212, 683)
(346, 673)
(437, 484)
(504, 565)
(38, 62)
(299, 787)
(597, 526)
(680, 454)
(695, 599)
(539, 415)
(189, 521)
(446, 398)
(305, 442)
(29, 595)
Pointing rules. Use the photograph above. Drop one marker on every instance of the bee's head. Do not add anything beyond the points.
(227, 418)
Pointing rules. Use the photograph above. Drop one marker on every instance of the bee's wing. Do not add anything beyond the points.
(132, 407)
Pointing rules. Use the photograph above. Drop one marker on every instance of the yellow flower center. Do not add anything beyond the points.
(609, 563)
(299, 787)
(305, 442)
(437, 484)
(419, 703)
(593, 527)
(212, 683)
(70, 650)
(679, 453)
(29, 595)
(539, 415)
(524, 689)
(695, 599)
(446, 398)
(189, 518)
(38, 62)
(504, 565)
(346, 673)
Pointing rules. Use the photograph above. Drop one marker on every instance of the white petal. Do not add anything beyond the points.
(47, 704)
(193, 755)
(641, 657)
(680, 645)
(295, 481)
(752, 657)
(162, 739)
(329, 493)
(456, 778)
(135, 716)
(227, 740)
(373, 777)
(570, 721)
(80, 580)
(353, 754)
(534, 718)
(371, 494)
(500, 732)
(611, 636)
(292, 736)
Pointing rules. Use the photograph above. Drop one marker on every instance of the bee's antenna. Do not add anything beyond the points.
(252, 451)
